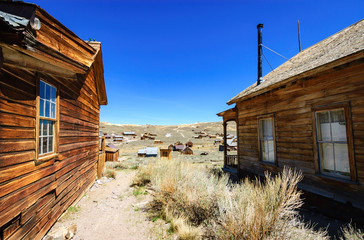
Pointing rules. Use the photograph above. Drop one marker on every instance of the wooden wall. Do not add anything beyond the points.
(33, 195)
(292, 108)
(111, 156)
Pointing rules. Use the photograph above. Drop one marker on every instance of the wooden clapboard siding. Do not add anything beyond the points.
(40, 192)
(292, 107)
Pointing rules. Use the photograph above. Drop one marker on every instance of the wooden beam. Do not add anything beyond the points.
(18, 59)
(1, 58)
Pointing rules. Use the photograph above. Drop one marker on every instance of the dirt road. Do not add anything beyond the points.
(110, 210)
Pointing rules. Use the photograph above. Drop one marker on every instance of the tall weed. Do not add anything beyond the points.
(202, 205)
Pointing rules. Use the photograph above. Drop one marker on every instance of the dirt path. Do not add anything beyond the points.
(110, 211)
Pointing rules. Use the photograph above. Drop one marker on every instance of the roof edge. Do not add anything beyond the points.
(335, 63)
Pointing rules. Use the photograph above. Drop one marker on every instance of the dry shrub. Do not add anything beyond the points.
(109, 173)
(143, 175)
(212, 206)
(253, 210)
(182, 226)
(116, 165)
(351, 233)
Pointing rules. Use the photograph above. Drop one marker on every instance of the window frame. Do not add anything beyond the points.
(49, 155)
(349, 140)
(268, 116)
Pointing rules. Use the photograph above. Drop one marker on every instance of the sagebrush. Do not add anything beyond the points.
(202, 205)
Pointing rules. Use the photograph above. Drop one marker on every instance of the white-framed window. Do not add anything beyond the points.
(267, 140)
(332, 142)
(47, 118)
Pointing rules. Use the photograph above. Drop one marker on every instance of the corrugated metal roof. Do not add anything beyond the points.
(129, 133)
(152, 151)
(232, 142)
(142, 151)
(14, 21)
(148, 151)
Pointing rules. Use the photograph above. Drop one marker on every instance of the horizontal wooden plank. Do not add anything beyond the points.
(15, 146)
(16, 133)
(12, 199)
(74, 120)
(20, 182)
(7, 159)
(77, 128)
(7, 119)
(9, 106)
(68, 140)
(306, 152)
(32, 210)
(9, 214)
(14, 171)
(78, 110)
(67, 147)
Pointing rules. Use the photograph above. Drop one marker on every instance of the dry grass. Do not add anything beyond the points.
(109, 173)
(116, 165)
(351, 233)
(202, 205)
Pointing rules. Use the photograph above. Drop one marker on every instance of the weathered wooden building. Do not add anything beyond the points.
(51, 87)
(111, 153)
(308, 114)
(187, 151)
(165, 153)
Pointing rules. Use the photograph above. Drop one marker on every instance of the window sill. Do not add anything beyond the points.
(337, 179)
(46, 158)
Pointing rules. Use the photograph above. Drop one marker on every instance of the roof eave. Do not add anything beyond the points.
(333, 64)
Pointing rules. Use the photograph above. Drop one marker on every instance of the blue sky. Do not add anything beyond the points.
(180, 61)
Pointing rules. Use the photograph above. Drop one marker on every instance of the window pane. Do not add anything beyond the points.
(44, 144)
(53, 110)
(266, 128)
(42, 89)
(338, 126)
(40, 127)
(41, 108)
(50, 144)
(40, 145)
(53, 94)
(271, 151)
(45, 128)
(47, 109)
(267, 150)
(268, 131)
(341, 158)
(264, 146)
(323, 125)
(48, 92)
(327, 156)
(51, 128)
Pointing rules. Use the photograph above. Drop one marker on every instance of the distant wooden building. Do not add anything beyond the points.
(129, 134)
(118, 138)
(308, 114)
(178, 147)
(165, 153)
(52, 84)
(187, 151)
(111, 153)
(148, 152)
(171, 147)
(158, 142)
(189, 144)
(142, 152)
